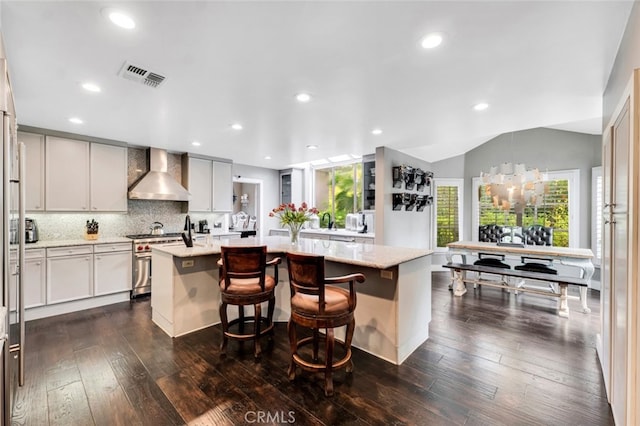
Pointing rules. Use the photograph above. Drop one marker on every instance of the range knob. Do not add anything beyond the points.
(139, 248)
(147, 247)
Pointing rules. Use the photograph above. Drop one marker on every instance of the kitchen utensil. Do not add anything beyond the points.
(157, 228)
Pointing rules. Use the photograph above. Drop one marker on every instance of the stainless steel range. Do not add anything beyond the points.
(142, 244)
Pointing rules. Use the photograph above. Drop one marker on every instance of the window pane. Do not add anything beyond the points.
(338, 191)
(323, 192)
(447, 215)
(344, 194)
(553, 212)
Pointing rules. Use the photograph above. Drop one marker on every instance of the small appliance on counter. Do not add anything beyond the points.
(203, 227)
(31, 231)
(351, 222)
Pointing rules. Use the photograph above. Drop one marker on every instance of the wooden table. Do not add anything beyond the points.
(577, 257)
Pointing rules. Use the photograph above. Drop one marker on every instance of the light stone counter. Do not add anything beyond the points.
(394, 303)
(310, 233)
(78, 242)
(367, 255)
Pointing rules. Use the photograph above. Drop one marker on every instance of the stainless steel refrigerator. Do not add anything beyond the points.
(13, 240)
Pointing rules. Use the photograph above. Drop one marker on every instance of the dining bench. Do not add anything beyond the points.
(460, 278)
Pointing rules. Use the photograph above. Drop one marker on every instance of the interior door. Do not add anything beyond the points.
(606, 275)
(620, 264)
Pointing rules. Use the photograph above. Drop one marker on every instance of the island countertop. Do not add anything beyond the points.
(368, 255)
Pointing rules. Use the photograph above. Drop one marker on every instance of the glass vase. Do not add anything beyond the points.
(294, 233)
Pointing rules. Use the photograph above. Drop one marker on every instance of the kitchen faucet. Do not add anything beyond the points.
(187, 238)
(329, 223)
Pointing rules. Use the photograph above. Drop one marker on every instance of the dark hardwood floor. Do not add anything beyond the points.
(492, 359)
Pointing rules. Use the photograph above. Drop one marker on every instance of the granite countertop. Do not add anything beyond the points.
(78, 242)
(337, 232)
(368, 255)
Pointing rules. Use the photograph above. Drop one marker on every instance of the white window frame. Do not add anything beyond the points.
(458, 182)
(596, 213)
(572, 176)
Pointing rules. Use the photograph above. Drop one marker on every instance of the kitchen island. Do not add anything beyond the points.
(394, 303)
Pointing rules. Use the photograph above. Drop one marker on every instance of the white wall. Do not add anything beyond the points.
(270, 191)
(399, 228)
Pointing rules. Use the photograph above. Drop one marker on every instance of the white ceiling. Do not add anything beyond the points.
(538, 64)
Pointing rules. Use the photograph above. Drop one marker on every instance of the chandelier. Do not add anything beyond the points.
(514, 187)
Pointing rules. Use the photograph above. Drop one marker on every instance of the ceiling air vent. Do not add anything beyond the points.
(141, 75)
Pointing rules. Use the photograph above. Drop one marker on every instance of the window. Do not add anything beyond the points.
(448, 207)
(338, 191)
(559, 209)
(597, 198)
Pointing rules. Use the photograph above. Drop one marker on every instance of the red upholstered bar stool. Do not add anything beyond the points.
(316, 304)
(243, 281)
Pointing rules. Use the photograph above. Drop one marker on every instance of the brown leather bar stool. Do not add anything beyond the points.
(243, 281)
(316, 305)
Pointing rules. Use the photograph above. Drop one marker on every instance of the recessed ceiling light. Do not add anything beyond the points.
(303, 97)
(312, 146)
(195, 143)
(90, 87)
(76, 120)
(376, 132)
(120, 19)
(236, 126)
(431, 40)
(267, 157)
(481, 106)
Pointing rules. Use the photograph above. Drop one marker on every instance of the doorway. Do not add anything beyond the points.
(247, 211)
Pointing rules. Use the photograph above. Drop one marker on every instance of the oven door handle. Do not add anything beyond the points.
(142, 255)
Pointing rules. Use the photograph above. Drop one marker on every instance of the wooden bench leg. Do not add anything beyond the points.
(583, 300)
(459, 287)
(563, 311)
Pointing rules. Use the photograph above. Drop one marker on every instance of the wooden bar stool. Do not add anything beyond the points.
(243, 281)
(316, 305)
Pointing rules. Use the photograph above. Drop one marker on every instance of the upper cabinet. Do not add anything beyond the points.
(84, 176)
(210, 184)
(108, 178)
(67, 175)
(34, 169)
(369, 182)
(291, 186)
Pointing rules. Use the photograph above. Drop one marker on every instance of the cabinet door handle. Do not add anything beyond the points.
(607, 222)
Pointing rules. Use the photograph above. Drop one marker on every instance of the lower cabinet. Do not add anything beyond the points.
(69, 273)
(33, 280)
(112, 268)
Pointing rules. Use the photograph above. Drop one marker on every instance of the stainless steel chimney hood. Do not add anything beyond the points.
(157, 184)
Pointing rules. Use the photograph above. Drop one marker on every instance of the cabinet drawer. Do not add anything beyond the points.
(107, 248)
(69, 251)
(34, 253)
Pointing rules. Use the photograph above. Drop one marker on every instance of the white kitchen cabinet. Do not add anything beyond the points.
(222, 187)
(34, 162)
(108, 178)
(67, 174)
(200, 184)
(33, 280)
(209, 183)
(69, 273)
(291, 186)
(112, 268)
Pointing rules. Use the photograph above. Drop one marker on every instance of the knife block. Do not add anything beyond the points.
(90, 237)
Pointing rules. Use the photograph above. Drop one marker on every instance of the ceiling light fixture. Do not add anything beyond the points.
(481, 106)
(90, 87)
(76, 120)
(431, 40)
(376, 132)
(312, 146)
(267, 157)
(236, 126)
(303, 97)
(195, 143)
(120, 19)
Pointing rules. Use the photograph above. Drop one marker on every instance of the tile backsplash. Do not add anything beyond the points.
(65, 226)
